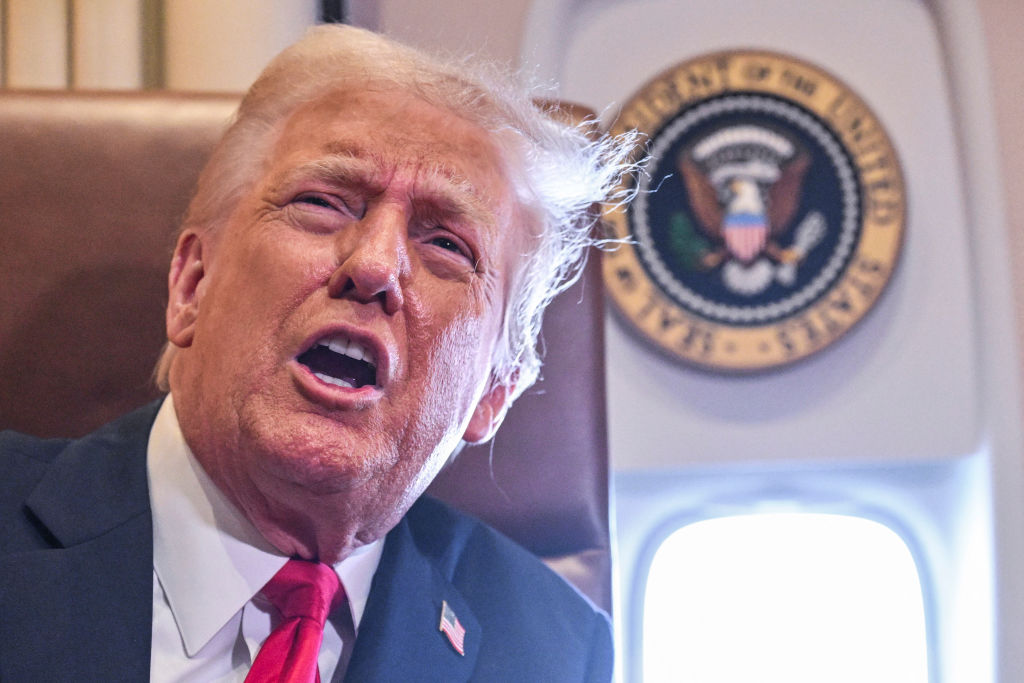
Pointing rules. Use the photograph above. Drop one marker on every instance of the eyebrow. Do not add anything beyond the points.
(438, 184)
(444, 186)
(341, 169)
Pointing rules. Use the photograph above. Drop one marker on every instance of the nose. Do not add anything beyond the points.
(373, 260)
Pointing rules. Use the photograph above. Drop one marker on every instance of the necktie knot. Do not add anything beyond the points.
(303, 592)
(303, 589)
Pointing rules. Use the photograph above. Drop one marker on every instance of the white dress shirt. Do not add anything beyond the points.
(209, 564)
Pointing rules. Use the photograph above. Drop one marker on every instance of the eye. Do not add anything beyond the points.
(325, 201)
(445, 251)
(319, 212)
(440, 237)
(446, 244)
(315, 200)
(343, 200)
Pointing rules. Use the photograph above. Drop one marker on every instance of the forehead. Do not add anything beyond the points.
(383, 135)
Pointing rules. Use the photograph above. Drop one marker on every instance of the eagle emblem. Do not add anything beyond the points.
(744, 186)
(769, 220)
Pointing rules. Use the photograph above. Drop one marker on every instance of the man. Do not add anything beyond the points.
(357, 288)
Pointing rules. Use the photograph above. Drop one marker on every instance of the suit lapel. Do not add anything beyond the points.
(83, 608)
(399, 637)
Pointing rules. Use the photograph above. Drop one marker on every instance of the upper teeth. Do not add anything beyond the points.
(350, 348)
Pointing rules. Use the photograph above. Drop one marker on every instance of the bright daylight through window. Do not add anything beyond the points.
(793, 597)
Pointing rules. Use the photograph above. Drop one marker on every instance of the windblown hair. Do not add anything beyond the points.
(567, 169)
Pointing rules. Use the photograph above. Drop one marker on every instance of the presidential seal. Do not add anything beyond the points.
(771, 217)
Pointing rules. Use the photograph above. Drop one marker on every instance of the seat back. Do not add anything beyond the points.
(93, 187)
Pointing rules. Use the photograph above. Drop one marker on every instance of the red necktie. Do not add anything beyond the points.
(303, 592)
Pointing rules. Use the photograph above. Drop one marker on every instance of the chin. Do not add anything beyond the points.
(321, 458)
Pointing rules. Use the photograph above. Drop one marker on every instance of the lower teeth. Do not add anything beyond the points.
(333, 380)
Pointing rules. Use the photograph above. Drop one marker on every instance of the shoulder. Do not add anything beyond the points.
(17, 448)
(73, 479)
(517, 598)
(23, 461)
(462, 547)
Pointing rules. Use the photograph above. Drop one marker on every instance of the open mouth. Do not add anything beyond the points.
(341, 361)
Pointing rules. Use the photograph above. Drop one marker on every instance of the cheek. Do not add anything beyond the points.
(453, 358)
(463, 347)
(268, 278)
(284, 266)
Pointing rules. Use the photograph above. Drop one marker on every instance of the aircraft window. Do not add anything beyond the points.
(794, 597)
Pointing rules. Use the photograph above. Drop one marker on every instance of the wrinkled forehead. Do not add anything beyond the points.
(373, 132)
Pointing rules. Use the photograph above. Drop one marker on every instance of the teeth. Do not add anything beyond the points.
(338, 346)
(350, 348)
(333, 380)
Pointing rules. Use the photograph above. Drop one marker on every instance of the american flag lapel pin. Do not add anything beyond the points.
(451, 627)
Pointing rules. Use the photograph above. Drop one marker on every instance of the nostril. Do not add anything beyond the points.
(366, 286)
(339, 284)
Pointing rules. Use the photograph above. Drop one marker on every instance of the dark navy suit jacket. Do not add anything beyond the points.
(76, 580)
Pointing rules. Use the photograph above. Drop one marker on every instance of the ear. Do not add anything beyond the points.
(185, 285)
(488, 414)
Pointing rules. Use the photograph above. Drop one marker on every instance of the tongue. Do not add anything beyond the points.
(321, 359)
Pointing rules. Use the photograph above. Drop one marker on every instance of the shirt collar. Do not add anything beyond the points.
(209, 558)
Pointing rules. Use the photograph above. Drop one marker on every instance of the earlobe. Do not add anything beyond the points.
(184, 286)
(488, 414)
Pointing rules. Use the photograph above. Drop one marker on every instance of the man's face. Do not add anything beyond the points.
(337, 332)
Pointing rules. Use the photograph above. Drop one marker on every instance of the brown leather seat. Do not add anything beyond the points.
(92, 188)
